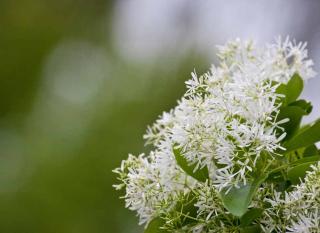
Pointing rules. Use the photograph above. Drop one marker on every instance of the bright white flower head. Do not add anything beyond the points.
(300, 208)
(227, 117)
(227, 123)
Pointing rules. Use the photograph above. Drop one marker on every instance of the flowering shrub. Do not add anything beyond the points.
(232, 155)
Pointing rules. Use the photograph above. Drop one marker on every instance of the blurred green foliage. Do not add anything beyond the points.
(56, 155)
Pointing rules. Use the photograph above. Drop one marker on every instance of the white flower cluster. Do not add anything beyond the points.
(227, 117)
(226, 122)
(152, 183)
(296, 211)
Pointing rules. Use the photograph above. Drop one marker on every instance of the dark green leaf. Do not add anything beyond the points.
(307, 137)
(237, 200)
(310, 151)
(200, 174)
(184, 212)
(294, 88)
(186, 206)
(294, 114)
(298, 172)
(276, 175)
(251, 229)
(250, 216)
(308, 159)
(282, 186)
(303, 104)
(154, 226)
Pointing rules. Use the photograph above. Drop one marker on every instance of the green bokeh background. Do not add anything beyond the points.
(73, 104)
(56, 154)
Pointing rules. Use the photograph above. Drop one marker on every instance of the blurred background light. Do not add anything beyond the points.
(81, 80)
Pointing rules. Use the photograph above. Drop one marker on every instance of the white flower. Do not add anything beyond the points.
(226, 122)
(299, 210)
(227, 115)
(152, 182)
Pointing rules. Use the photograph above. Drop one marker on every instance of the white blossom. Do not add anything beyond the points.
(296, 211)
(226, 122)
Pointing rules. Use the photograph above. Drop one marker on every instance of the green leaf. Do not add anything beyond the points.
(183, 213)
(281, 89)
(294, 88)
(276, 175)
(200, 174)
(291, 90)
(303, 104)
(237, 200)
(294, 113)
(308, 159)
(186, 206)
(307, 137)
(251, 229)
(298, 172)
(298, 169)
(250, 216)
(310, 151)
(154, 226)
